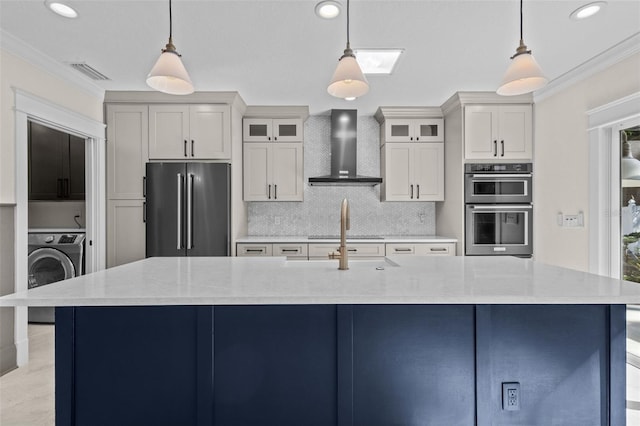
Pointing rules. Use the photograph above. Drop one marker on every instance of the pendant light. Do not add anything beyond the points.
(348, 81)
(169, 75)
(524, 75)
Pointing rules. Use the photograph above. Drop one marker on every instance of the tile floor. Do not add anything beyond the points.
(27, 393)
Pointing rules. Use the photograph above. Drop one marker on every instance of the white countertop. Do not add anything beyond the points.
(353, 239)
(274, 280)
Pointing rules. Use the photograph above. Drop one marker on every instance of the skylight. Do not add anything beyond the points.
(377, 61)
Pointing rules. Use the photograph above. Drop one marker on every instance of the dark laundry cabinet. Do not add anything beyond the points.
(56, 164)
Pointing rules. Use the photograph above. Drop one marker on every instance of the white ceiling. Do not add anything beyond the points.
(281, 53)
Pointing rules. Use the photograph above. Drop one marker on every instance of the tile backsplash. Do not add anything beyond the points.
(319, 214)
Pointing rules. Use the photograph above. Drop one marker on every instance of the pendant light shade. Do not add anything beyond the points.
(348, 81)
(524, 75)
(169, 75)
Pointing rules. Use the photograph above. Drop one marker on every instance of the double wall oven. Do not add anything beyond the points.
(499, 209)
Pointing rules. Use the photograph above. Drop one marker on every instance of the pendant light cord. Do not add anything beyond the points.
(171, 22)
(347, 22)
(521, 38)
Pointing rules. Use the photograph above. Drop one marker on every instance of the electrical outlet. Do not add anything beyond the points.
(277, 220)
(571, 221)
(511, 396)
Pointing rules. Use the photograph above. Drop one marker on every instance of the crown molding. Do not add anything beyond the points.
(277, 111)
(609, 57)
(385, 112)
(41, 60)
(464, 98)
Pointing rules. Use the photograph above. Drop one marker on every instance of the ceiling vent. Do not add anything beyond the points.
(89, 71)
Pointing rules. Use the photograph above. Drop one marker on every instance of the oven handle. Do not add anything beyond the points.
(498, 175)
(500, 206)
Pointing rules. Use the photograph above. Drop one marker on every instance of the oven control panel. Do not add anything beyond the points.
(498, 168)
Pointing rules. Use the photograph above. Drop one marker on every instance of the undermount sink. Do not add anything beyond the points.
(354, 263)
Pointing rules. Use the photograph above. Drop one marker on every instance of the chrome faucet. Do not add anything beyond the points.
(345, 224)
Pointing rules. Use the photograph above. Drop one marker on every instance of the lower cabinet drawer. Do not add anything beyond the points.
(254, 249)
(321, 251)
(422, 249)
(292, 251)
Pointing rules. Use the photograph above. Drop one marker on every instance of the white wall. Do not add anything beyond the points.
(561, 175)
(56, 214)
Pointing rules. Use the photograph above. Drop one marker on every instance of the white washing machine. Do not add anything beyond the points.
(54, 255)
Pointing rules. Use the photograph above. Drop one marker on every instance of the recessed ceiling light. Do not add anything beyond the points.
(61, 9)
(587, 10)
(328, 9)
(377, 61)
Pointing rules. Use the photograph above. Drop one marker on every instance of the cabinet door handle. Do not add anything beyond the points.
(185, 148)
(411, 138)
(352, 250)
(189, 211)
(438, 249)
(275, 138)
(269, 195)
(144, 212)
(402, 250)
(268, 138)
(192, 147)
(67, 190)
(495, 148)
(275, 192)
(502, 146)
(59, 188)
(254, 250)
(144, 186)
(412, 192)
(290, 250)
(417, 138)
(179, 212)
(418, 188)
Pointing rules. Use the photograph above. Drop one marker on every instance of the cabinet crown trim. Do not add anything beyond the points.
(290, 111)
(462, 98)
(407, 112)
(149, 97)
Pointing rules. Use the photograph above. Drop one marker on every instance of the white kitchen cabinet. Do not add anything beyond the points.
(412, 172)
(191, 132)
(502, 132)
(413, 130)
(125, 231)
(421, 249)
(273, 172)
(127, 142)
(293, 251)
(320, 251)
(258, 249)
(272, 130)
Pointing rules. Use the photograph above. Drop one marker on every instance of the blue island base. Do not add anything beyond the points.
(347, 365)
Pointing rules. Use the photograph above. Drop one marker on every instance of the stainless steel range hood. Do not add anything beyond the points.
(343, 153)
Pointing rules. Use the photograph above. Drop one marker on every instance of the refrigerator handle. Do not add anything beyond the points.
(179, 204)
(189, 211)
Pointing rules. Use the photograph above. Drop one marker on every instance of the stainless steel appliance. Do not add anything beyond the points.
(498, 183)
(344, 137)
(54, 255)
(187, 209)
(499, 209)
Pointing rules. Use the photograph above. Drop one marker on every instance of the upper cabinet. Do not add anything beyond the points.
(413, 130)
(411, 153)
(273, 160)
(189, 132)
(127, 150)
(272, 130)
(502, 132)
(56, 164)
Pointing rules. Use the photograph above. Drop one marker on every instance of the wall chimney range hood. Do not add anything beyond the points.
(343, 153)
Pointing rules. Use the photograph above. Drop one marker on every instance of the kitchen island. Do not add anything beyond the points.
(399, 341)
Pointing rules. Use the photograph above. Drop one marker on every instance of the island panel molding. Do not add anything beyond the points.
(327, 364)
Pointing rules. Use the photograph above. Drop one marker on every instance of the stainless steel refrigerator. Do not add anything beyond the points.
(187, 209)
